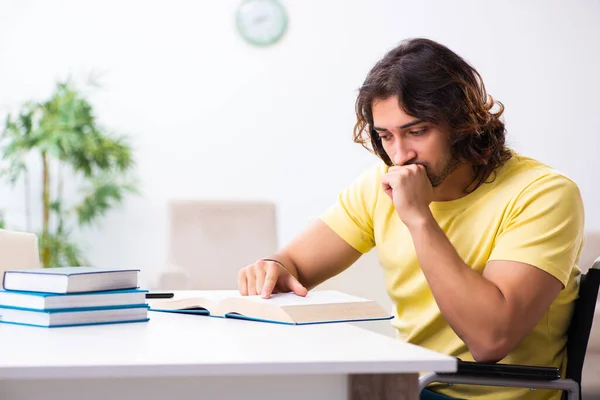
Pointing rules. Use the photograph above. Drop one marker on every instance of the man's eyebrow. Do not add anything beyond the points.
(407, 125)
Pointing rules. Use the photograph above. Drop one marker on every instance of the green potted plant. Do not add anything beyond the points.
(73, 148)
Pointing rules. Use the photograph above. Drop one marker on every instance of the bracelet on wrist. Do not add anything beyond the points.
(275, 261)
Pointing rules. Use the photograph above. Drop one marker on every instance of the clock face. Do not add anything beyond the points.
(261, 22)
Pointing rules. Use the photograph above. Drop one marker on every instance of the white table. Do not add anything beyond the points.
(180, 357)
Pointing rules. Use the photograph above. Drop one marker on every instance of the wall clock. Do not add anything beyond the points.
(261, 22)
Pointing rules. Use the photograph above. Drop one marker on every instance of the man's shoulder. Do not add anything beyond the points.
(365, 187)
(521, 172)
(527, 177)
(376, 169)
(372, 174)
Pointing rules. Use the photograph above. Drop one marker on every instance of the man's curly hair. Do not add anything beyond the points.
(436, 85)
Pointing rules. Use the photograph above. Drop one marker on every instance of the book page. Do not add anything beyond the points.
(312, 298)
(193, 298)
(214, 296)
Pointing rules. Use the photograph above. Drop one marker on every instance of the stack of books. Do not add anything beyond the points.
(72, 296)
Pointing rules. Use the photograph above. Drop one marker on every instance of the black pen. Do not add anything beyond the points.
(161, 295)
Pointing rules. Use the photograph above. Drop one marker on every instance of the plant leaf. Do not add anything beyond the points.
(63, 251)
(105, 193)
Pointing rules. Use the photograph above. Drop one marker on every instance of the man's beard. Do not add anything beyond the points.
(437, 177)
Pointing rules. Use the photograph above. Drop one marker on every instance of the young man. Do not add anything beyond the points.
(479, 245)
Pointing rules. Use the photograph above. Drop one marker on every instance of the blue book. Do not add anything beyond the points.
(70, 279)
(317, 307)
(74, 316)
(53, 301)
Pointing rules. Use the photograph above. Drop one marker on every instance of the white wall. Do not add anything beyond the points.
(214, 117)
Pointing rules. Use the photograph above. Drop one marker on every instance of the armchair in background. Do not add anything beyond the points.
(210, 241)
(18, 250)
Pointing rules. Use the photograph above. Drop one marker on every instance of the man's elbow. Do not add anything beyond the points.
(492, 350)
(487, 356)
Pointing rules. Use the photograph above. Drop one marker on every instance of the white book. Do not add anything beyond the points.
(74, 317)
(70, 279)
(53, 301)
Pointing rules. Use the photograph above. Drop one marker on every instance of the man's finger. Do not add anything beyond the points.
(415, 167)
(242, 283)
(272, 274)
(385, 179)
(296, 286)
(251, 277)
(260, 279)
(389, 181)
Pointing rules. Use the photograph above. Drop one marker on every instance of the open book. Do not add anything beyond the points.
(286, 308)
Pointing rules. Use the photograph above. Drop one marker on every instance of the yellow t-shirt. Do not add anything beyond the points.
(528, 213)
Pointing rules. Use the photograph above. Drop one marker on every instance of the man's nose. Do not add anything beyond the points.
(402, 153)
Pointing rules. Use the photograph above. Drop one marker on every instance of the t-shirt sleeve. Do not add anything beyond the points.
(351, 216)
(545, 227)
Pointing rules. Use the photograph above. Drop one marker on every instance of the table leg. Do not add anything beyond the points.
(383, 387)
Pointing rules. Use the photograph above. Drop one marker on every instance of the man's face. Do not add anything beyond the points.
(407, 140)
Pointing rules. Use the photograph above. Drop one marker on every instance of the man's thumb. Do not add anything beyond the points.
(296, 286)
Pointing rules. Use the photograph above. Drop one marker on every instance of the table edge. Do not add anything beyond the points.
(241, 369)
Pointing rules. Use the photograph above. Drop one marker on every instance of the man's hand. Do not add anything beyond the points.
(266, 277)
(410, 190)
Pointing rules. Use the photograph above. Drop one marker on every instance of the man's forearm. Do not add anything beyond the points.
(472, 305)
